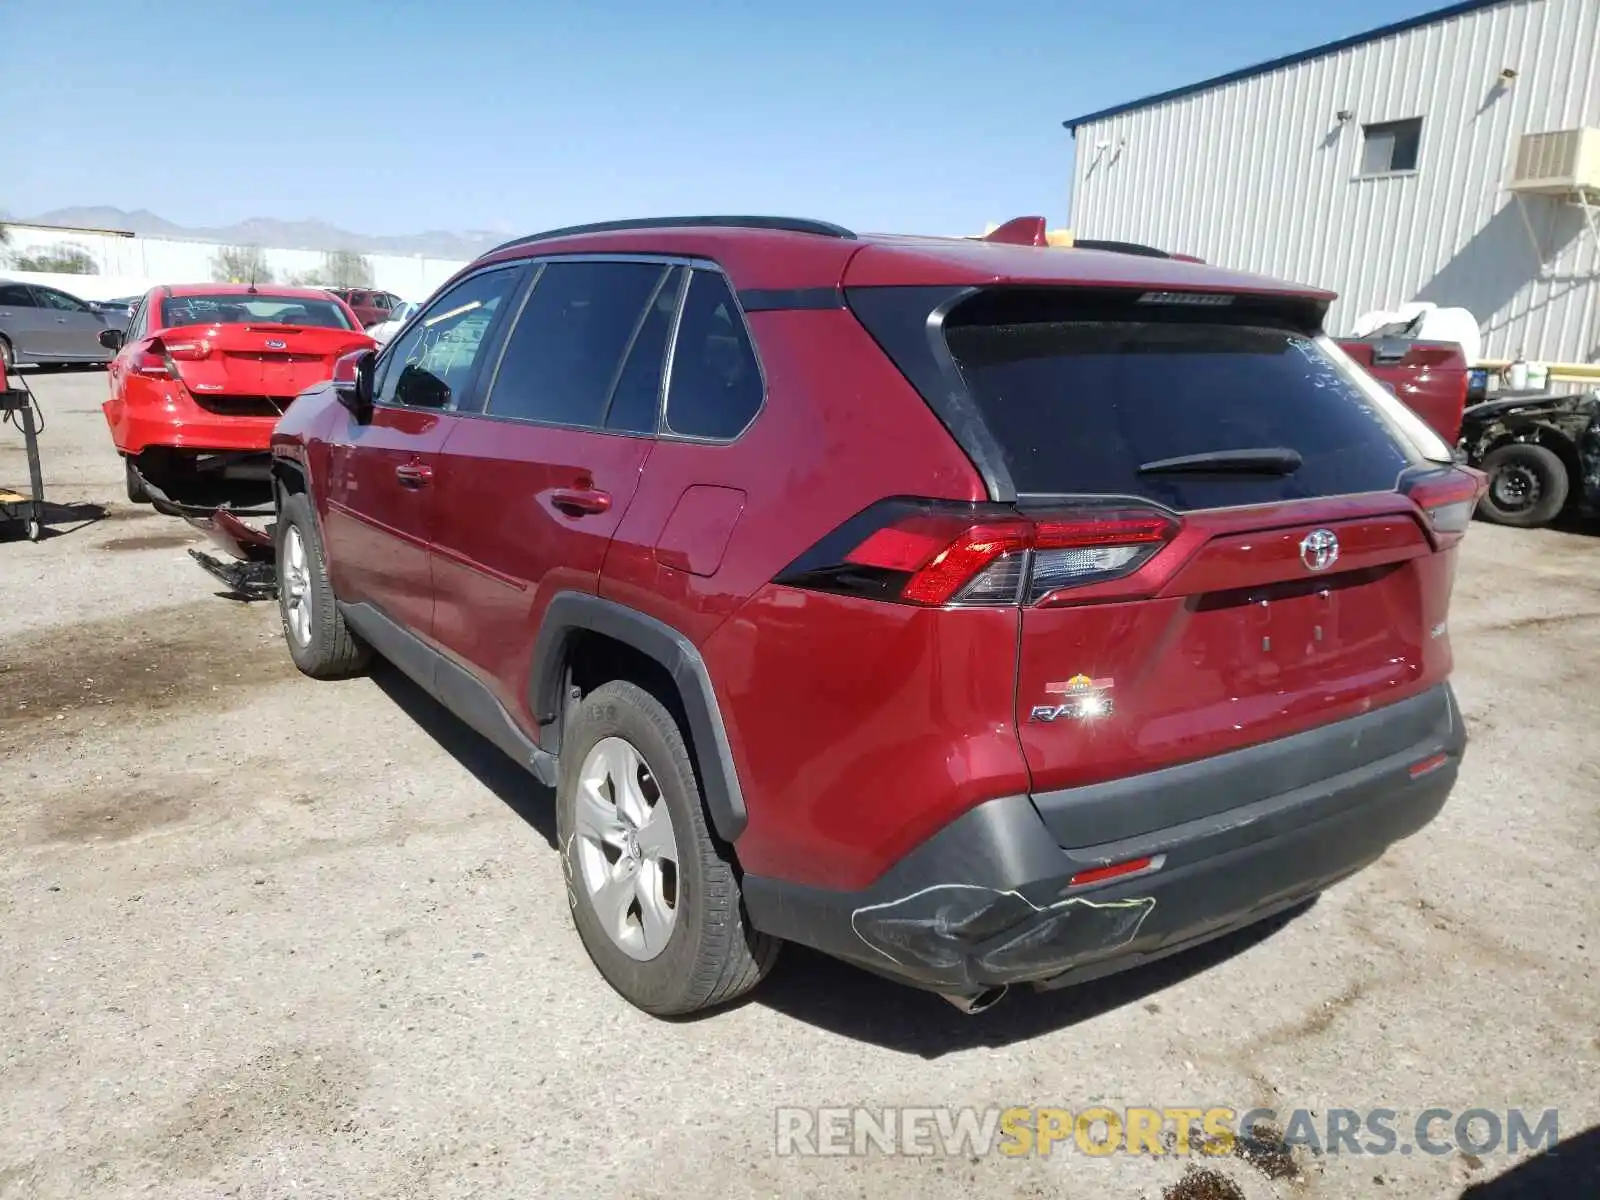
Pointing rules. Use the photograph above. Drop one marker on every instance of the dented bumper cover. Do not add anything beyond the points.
(250, 570)
(989, 899)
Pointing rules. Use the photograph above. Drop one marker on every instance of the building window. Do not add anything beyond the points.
(1391, 146)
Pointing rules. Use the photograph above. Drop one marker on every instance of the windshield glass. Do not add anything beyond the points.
(246, 309)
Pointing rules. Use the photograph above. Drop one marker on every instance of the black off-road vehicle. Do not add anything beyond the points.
(1541, 453)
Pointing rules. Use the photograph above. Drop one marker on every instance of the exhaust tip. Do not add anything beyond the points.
(973, 1003)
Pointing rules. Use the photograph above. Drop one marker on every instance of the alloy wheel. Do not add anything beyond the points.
(626, 850)
(296, 587)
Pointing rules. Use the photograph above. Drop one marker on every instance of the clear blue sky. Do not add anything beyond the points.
(931, 116)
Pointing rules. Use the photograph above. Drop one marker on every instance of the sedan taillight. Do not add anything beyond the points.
(150, 364)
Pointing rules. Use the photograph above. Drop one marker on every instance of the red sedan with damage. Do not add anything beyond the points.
(201, 376)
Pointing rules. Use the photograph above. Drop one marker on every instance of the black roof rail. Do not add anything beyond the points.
(781, 224)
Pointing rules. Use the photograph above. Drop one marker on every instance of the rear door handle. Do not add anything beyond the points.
(580, 502)
(414, 475)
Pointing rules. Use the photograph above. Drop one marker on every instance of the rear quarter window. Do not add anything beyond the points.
(1080, 404)
(716, 387)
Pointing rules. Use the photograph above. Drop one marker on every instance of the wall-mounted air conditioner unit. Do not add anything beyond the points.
(1559, 163)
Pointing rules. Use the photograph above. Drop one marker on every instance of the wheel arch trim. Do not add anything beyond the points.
(570, 613)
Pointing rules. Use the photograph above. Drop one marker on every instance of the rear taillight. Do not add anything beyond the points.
(151, 364)
(930, 553)
(1447, 497)
(189, 351)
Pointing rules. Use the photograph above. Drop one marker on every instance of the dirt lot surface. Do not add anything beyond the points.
(264, 937)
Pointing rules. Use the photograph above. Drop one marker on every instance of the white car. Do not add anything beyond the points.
(384, 330)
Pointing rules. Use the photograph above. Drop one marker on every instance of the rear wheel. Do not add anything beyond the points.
(655, 899)
(320, 642)
(1527, 486)
(135, 484)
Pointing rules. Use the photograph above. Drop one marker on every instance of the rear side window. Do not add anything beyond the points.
(15, 295)
(716, 387)
(1085, 405)
(565, 352)
(636, 400)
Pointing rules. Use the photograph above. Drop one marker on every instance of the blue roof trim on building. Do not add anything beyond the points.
(1371, 35)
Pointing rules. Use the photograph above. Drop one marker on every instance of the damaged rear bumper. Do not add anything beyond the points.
(250, 568)
(989, 901)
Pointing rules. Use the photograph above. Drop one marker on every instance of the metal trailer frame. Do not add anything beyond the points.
(17, 406)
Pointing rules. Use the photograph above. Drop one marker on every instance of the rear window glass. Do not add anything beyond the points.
(1081, 405)
(245, 309)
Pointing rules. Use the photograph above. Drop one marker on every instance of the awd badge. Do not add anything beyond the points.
(1079, 698)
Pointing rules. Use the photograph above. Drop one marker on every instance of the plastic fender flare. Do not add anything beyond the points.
(571, 612)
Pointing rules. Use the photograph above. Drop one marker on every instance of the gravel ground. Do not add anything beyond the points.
(264, 937)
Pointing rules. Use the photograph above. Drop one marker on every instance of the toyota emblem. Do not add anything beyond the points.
(1319, 549)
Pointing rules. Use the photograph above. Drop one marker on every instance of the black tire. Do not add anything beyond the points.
(8, 358)
(135, 485)
(711, 955)
(1527, 486)
(332, 650)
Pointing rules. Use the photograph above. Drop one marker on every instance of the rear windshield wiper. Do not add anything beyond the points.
(1266, 460)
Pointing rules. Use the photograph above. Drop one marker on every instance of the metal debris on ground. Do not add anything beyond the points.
(252, 573)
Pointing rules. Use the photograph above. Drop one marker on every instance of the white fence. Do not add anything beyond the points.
(127, 266)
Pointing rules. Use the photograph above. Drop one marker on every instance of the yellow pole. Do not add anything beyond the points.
(1566, 371)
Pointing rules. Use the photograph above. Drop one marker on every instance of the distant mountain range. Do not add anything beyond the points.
(269, 232)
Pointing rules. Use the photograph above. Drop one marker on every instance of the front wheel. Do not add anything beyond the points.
(320, 642)
(1527, 486)
(655, 899)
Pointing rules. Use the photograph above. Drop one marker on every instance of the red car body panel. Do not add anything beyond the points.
(1183, 653)
(378, 531)
(846, 727)
(222, 386)
(1432, 379)
(564, 492)
(911, 261)
(860, 728)
(828, 381)
(362, 302)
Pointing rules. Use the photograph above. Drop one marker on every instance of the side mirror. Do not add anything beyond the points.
(352, 382)
(111, 339)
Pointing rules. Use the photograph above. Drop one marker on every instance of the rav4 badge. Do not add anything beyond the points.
(1079, 698)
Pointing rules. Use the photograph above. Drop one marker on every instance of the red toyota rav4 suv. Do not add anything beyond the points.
(979, 613)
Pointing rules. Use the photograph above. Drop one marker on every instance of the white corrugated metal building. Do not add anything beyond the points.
(1380, 167)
